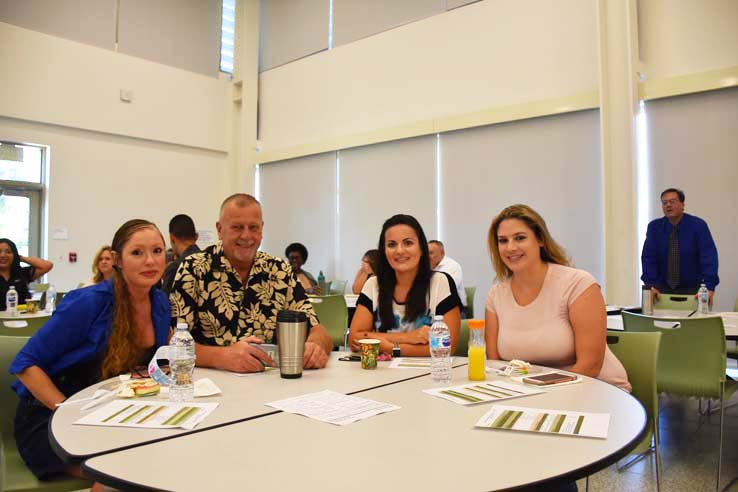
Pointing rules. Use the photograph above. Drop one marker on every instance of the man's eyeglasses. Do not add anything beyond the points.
(669, 202)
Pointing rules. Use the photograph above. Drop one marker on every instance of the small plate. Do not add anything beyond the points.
(15, 323)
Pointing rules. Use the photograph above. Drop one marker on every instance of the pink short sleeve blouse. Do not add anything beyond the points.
(541, 331)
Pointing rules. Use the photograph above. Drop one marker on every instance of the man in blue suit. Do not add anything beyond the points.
(679, 253)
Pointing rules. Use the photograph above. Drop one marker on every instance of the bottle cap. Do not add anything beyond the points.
(438, 317)
(182, 326)
(476, 324)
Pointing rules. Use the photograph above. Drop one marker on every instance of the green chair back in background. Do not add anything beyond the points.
(337, 287)
(680, 302)
(692, 359)
(470, 291)
(333, 314)
(40, 287)
(32, 326)
(639, 352)
(462, 347)
(16, 477)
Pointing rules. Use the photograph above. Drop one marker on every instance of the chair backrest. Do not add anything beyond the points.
(470, 291)
(41, 287)
(9, 348)
(462, 347)
(639, 352)
(692, 353)
(32, 326)
(333, 314)
(681, 302)
(337, 287)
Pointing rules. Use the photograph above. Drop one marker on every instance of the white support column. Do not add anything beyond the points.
(618, 50)
(244, 99)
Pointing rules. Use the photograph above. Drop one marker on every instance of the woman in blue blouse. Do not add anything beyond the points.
(96, 333)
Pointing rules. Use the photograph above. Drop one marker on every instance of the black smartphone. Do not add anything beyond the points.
(350, 358)
(550, 378)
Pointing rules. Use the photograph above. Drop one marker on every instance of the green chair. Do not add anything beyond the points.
(638, 352)
(333, 314)
(40, 287)
(692, 359)
(470, 291)
(32, 326)
(462, 347)
(15, 476)
(337, 287)
(680, 302)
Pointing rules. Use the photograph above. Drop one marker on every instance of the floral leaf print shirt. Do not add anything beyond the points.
(209, 295)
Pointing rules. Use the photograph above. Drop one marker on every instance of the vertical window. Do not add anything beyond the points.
(227, 36)
(21, 192)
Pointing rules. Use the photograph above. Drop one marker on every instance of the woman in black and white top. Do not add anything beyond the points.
(398, 304)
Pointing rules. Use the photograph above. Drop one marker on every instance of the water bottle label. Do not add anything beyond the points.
(155, 371)
(440, 342)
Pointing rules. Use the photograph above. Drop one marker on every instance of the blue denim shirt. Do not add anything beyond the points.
(698, 257)
(79, 329)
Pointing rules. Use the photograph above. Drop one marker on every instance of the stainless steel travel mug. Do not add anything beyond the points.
(291, 334)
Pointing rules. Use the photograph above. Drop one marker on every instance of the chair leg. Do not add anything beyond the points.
(720, 448)
(657, 453)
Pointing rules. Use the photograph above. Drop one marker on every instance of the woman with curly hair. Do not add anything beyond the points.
(12, 273)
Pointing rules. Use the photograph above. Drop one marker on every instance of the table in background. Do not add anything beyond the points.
(429, 444)
(730, 320)
(243, 398)
(39, 314)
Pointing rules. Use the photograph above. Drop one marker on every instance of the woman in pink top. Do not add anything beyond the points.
(542, 310)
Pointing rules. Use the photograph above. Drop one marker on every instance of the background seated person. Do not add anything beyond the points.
(102, 266)
(297, 255)
(11, 272)
(541, 310)
(108, 329)
(368, 269)
(229, 295)
(398, 304)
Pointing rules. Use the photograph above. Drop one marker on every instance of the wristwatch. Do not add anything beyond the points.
(396, 350)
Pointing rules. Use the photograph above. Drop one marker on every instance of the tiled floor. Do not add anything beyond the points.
(689, 452)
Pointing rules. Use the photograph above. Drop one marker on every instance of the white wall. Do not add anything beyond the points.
(163, 154)
(99, 181)
(687, 36)
(54, 80)
(488, 54)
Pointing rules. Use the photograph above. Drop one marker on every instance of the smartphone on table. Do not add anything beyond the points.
(550, 378)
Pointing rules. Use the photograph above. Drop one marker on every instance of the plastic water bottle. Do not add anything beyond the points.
(50, 299)
(182, 364)
(440, 349)
(703, 300)
(11, 301)
(322, 284)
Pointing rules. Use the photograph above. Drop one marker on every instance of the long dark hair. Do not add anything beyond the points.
(416, 303)
(15, 267)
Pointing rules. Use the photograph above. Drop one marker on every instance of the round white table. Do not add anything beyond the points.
(243, 398)
(429, 444)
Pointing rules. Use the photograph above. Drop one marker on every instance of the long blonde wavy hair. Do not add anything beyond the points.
(551, 252)
(123, 352)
